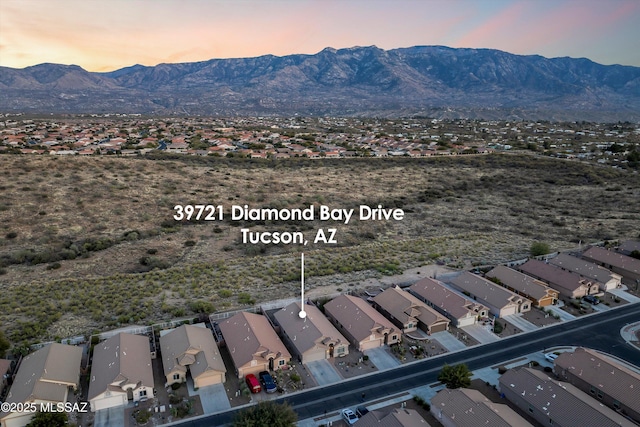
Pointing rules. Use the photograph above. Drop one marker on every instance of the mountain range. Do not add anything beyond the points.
(432, 81)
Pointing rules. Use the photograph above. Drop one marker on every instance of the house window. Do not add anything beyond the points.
(176, 376)
(340, 350)
(143, 393)
(616, 404)
(281, 362)
(592, 390)
(531, 409)
(599, 395)
(394, 338)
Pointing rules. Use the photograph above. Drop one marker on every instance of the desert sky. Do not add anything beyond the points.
(104, 35)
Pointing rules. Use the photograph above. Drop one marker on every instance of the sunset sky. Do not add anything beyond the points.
(104, 35)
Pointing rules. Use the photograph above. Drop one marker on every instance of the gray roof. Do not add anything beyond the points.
(629, 246)
(193, 346)
(613, 258)
(403, 306)
(122, 359)
(485, 290)
(398, 417)
(46, 374)
(450, 302)
(357, 316)
(604, 373)
(521, 282)
(582, 267)
(249, 336)
(554, 275)
(560, 401)
(470, 408)
(314, 330)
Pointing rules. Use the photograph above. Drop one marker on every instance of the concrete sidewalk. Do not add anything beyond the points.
(381, 359)
(620, 292)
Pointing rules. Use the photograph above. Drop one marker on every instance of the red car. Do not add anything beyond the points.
(253, 383)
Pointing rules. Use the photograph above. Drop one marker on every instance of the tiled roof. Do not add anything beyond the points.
(521, 282)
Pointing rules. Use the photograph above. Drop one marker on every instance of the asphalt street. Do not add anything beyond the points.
(600, 332)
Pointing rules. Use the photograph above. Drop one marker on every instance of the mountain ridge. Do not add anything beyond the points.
(356, 81)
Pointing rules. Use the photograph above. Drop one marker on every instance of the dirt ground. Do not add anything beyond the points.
(539, 317)
(353, 364)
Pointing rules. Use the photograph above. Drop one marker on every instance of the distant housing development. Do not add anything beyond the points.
(606, 278)
(626, 266)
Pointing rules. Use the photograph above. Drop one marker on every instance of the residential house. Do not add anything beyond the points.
(501, 301)
(628, 247)
(556, 403)
(45, 376)
(363, 326)
(312, 338)
(120, 372)
(464, 407)
(398, 417)
(192, 348)
(602, 377)
(568, 283)
(5, 372)
(461, 311)
(409, 313)
(606, 278)
(626, 266)
(253, 344)
(537, 291)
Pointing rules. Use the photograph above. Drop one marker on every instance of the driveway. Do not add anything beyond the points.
(448, 341)
(481, 333)
(323, 372)
(523, 324)
(213, 397)
(381, 359)
(624, 295)
(111, 417)
(564, 316)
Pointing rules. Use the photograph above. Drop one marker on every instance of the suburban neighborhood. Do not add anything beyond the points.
(190, 367)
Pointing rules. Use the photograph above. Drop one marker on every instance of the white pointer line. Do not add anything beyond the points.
(302, 313)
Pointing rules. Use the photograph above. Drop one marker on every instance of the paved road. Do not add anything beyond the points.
(599, 332)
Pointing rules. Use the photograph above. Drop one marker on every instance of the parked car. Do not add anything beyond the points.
(253, 383)
(551, 357)
(591, 299)
(349, 416)
(267, 381)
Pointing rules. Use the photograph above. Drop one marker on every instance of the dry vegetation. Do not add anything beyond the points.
(78, 236)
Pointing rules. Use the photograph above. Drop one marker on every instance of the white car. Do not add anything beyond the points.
(349, 416)
(551, 357)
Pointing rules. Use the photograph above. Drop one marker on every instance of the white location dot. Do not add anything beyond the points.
(302, 314)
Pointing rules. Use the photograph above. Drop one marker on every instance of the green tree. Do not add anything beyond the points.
(267, 414)
(539, 248)
(455, 376)
(49, 419)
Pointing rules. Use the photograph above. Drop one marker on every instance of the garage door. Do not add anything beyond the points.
(204, 381)
(108, 402)
(507, 311)
(467, 321)
(370, 344)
